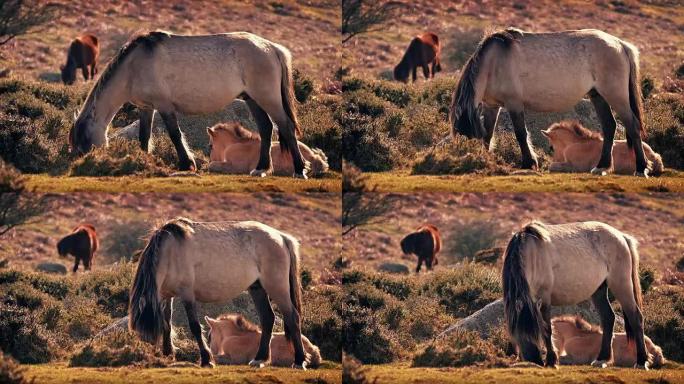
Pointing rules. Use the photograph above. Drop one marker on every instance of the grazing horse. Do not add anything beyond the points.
(83, 53)
(577, 149)
(577, 343)
(235, 149)
(565, 264)
(175, 74)
(547, 72)
(424, 52)
(214, 262)
(81, 243)
(236, 340)
(425, 242)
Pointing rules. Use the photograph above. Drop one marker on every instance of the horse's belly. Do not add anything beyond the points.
(225, 279)
(551, 92)
(574, 282)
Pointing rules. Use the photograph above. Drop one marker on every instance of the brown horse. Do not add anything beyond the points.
(551, 72)
(425, 242)
(83, 53)
(81, 243)
(423, 51)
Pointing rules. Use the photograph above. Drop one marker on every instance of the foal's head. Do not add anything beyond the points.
(223, 134)
(230, 325)
(569, 132)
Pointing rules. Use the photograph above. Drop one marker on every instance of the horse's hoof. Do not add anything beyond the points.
(188, 166)
(643, 366)
(258, 173)
(258, 363)
(643, 174)
(298, 366)
(300, 175)
(208, 365)
(599, 171)
(599, 364)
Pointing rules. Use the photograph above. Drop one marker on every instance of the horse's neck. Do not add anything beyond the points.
(105, 102)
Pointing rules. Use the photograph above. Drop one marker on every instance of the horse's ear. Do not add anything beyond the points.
(210, 131)
(545, 133)
(209, 321)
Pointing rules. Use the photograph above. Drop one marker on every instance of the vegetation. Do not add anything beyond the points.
(18, 205)
(10, 371)
(19, 17)
(361, 206)
(363, 17)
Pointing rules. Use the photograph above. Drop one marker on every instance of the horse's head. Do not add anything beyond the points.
(84, 134)
(408, 244)
(68, 74)
(63, 246)
(401, 73)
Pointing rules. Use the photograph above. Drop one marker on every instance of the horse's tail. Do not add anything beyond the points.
(288, 96)
(523, 316)
(656, 353)
(295, 282)
(636, 283)
(315, 356)
(635, 101)
(657, 163)
(145, 310)
(463, 113)
(319, 161)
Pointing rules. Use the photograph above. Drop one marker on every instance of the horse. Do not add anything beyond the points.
(548, 72)
(173, 74)
(83, 53)
(425, 242)
(565, 264)
(82, 243)
(236, 340)
(235, 149)
(423, 51)
(578, 342)
(214, 262)
(577, 149)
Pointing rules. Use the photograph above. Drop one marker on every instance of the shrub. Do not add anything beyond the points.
(25, 146)
(23, 337)
(468, 237)
(425, 127)
(125, 238)
(22, 294)
(55, 286)
(462, 45)
(322, 322)
(680, 264)
(365, 102)
(366, 146)
(438, 93)
(83, 318)
(664, 320)
(665, 128)
(366, 296)
(461, 349)
(118, 349)
(647, 86)
(679, 72)
(303, 86)
(425, 318)
(110, 288)
(322, 129)
(459, 156)
(352, 371)
(122, 157)
(464, 290)
(365, 335)
(10, 371)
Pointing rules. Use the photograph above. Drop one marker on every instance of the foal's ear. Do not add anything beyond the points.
(209, 321)
(210, 131)
(545, 133)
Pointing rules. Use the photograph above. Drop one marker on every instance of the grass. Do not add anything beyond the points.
(402, 181)
(402, 373)
(182, 184)
(60, 373)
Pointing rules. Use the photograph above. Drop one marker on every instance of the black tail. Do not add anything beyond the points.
(288, 97)
(145, 310)
(635, 98)
(523, 316)
(295, 280)
(636, 283)
(464, 114)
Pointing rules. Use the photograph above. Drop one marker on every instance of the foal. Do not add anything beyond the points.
(81, 243)
(424, 52)
(425, 242)
(83, 53)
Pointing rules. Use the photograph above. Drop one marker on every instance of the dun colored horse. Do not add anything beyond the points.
(235, 340)
(214, 262)
(565, 264)
(577, 343)
(81, 243)
(425, 242)
(201, 74)
(235, 149)
(545, 72)
(83, 53)
(423, 51)
(577, 149)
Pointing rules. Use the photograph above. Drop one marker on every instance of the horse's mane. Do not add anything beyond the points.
(536, 229)
(236, 130)
(579, 323)
(179, 227)
(462, 101)
(578, 129)
(147, 40)
(240, 322)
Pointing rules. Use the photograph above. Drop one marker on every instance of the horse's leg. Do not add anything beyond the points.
(167, 343)
(186, 162)
(619, 283)
(491, 116)
(414, 73)
(86, 262)
(605, 310)
(529, 158)
(420, 263)
(93, 71)
(432, 67)
(426, 71)
(145, 128)
(267, 318)
(605, 115)
(551, 355)
(84, 71)
(77, 260)
(633, 133)
(196, 329)
(279, 290)
(264, 166)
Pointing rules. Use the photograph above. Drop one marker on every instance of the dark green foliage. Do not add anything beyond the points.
(23, 145)
(665, 128)
(321, 127)
(679, 72)
(680, 264)
(365, 335)
(322, 320)
(664, 320)
(110, 288)
(23, 337)
(10, 371)
(303, 86)
(464, 290)
(366, 146)
(647, 86)
(57, 287)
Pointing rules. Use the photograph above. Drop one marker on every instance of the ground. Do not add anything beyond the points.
(61, 373)
(402, 373)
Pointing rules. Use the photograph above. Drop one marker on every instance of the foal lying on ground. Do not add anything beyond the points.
(578, 342)
(235, 340)
(235, 149)
(577, 149)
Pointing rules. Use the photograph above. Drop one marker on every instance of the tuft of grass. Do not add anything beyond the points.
(457, 157)
(11, 372)
(118, 349)
(461, 349)
(121, 158)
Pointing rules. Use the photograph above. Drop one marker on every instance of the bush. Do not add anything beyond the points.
(23, 337)
(352, 371)
(664, 320)
(10, 371)
(121, 348)
(462, 45)
(57, 287)
(322, 322)
(464, 290)
(424, 127)
(25, 146)
(83, 318)
(366, 103)
(665, 128)
(110, 288)
(365, 335)
(466, 238)
(425, 319)
(366, 146)
(321, 128)
(461, 349)
(121, 158)
(459, 156)
(125, 238)
(303, 86)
